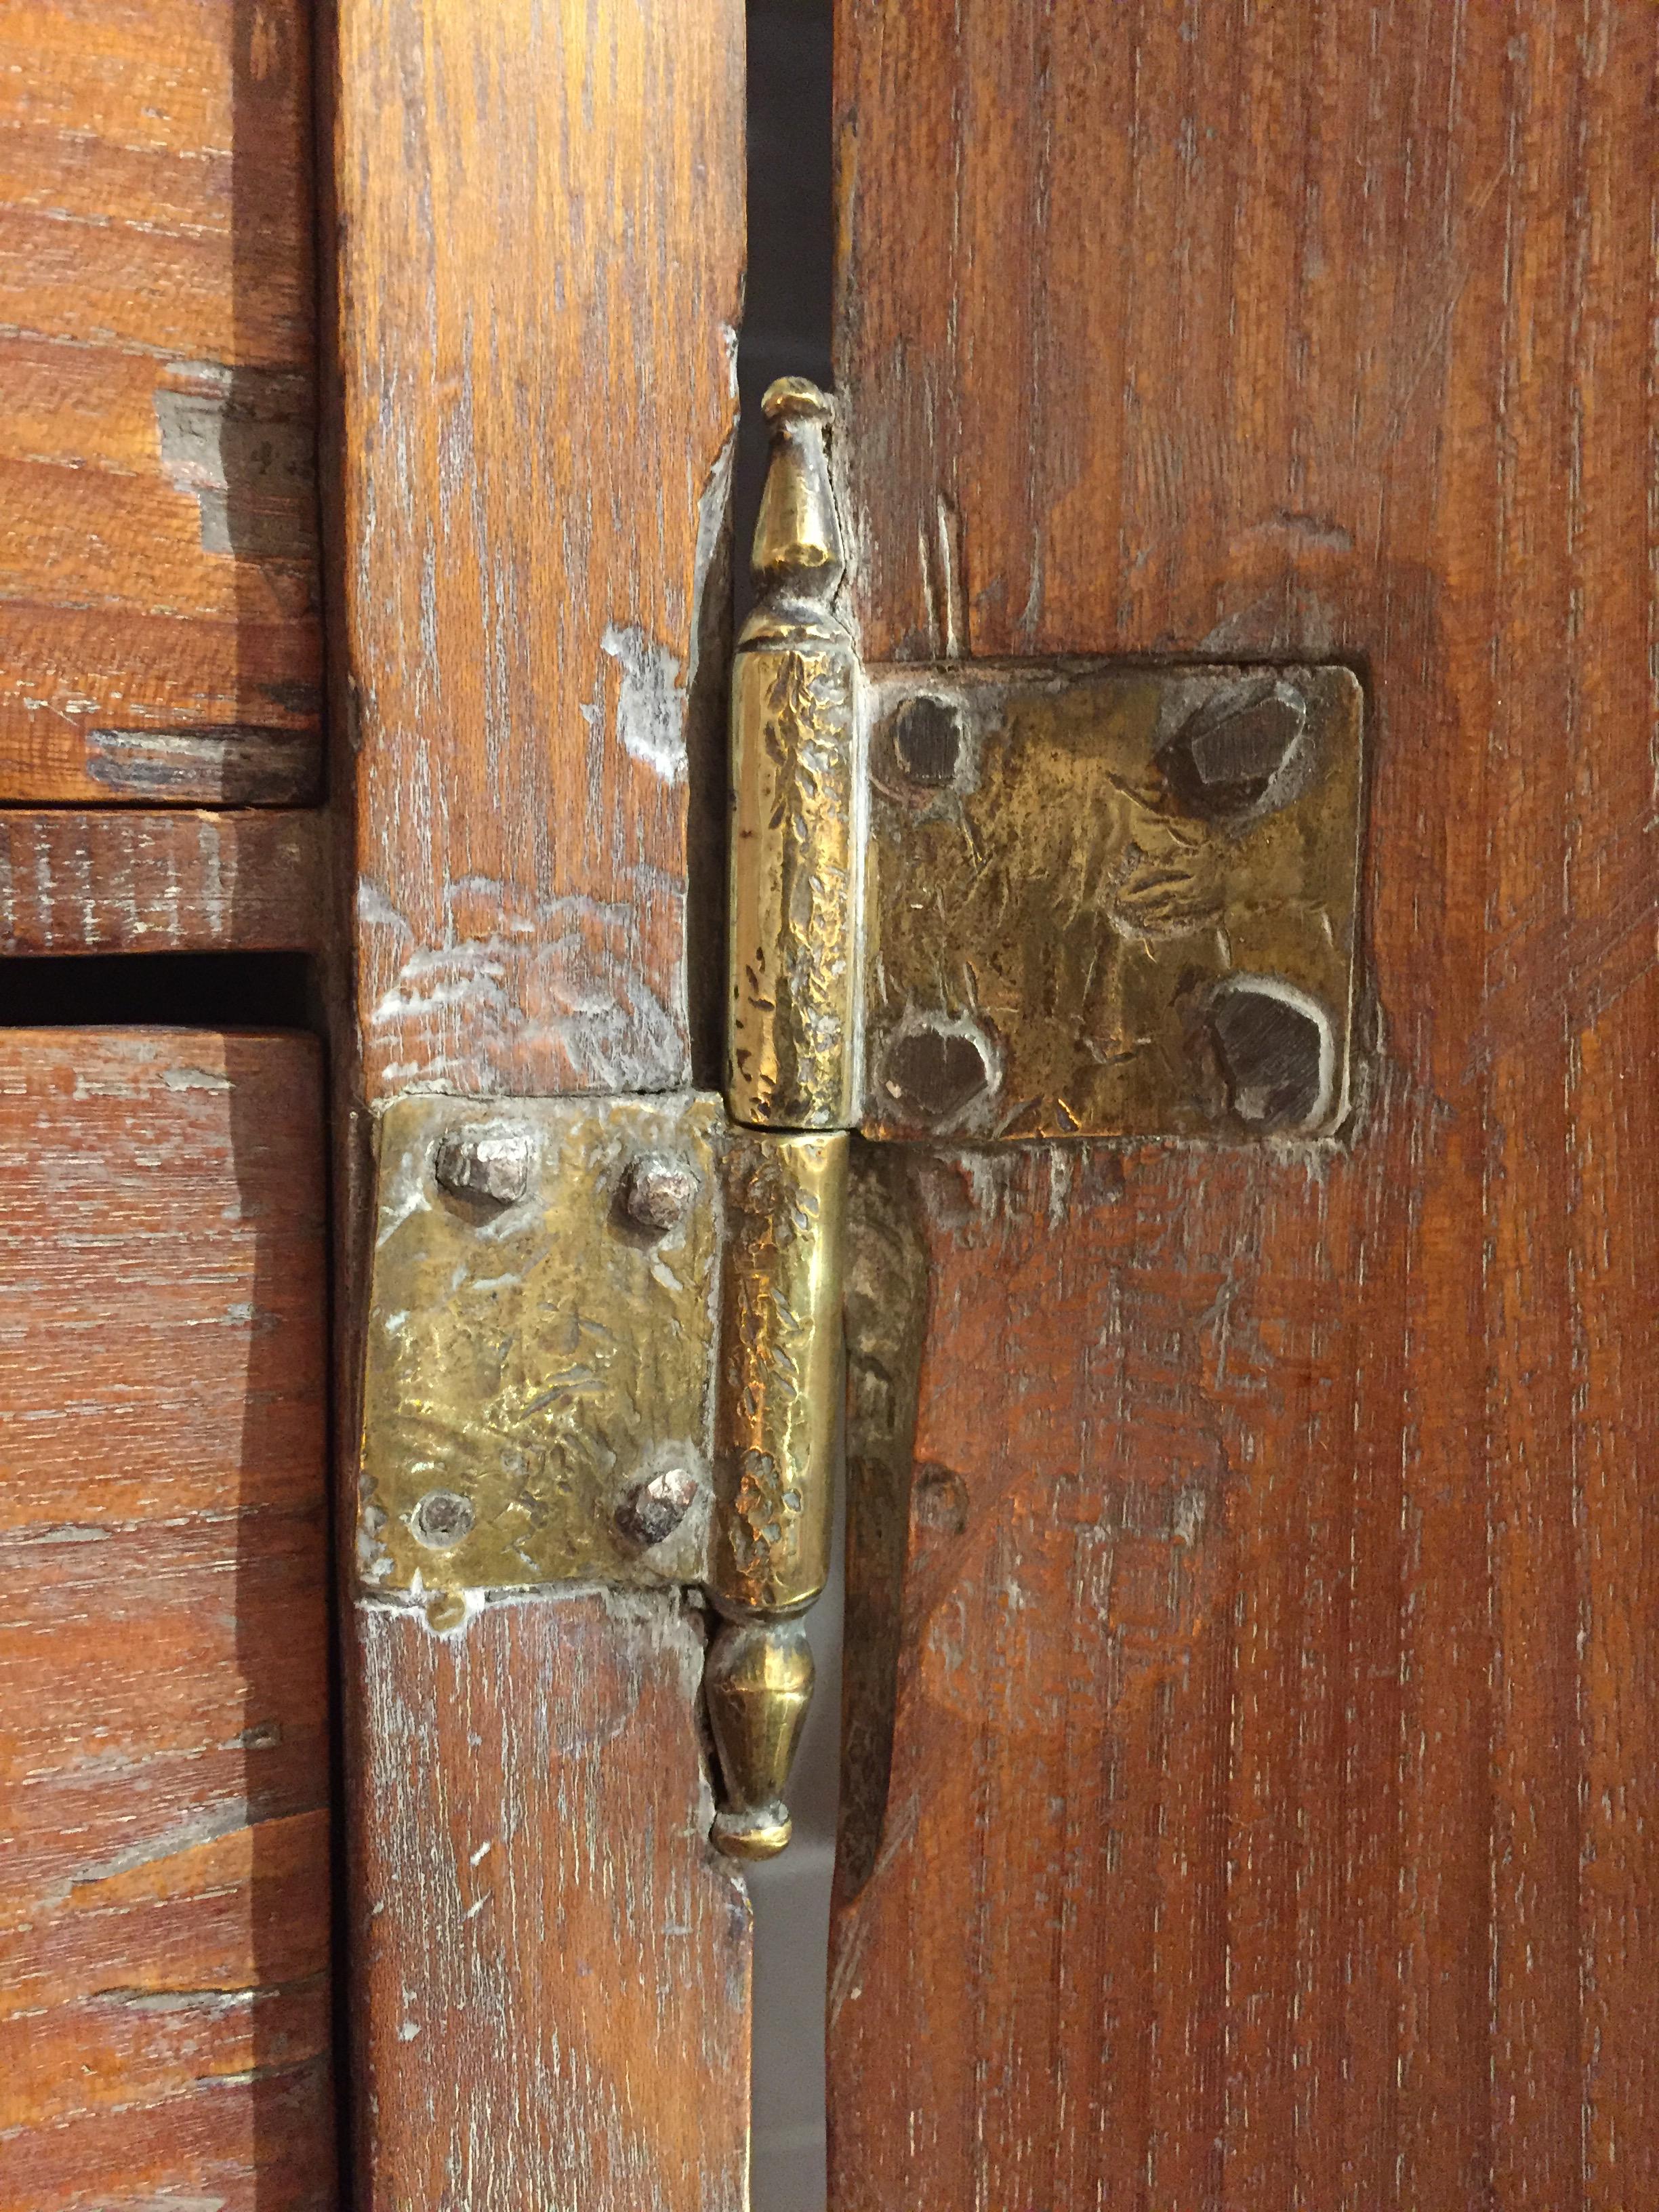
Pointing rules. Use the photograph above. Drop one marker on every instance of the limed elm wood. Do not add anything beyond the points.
(178, 880)
(539, 264)
(164, 1914)
(1269, 1614)
(159, 632)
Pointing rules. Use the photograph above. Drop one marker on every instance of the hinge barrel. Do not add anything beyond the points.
(796, 856)
(780, 1384)
(793, 964)
(774, 1439)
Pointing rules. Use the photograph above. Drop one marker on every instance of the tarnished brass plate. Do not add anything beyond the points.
(539, 1390)
(1110, 901)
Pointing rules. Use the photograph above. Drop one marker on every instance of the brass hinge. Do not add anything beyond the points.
(604, 1346)
(984, 900)
(978, 902)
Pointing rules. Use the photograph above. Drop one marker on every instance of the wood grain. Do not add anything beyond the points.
(164, 1914)
(543, 1923)
(536, 350)
(122, 881)
(1268, 1812)
(159, 632)
(540, 235)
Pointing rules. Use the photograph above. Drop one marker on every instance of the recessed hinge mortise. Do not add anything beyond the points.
(975, 901)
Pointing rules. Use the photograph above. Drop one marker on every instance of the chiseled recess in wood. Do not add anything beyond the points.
(164, 1920)
(555, 1963)
(158, 633)
(1273, 1813)
(539, 401)
(120, 881)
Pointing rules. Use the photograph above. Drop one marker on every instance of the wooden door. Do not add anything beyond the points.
(485, 1905)
(1247, 1776)
(1252, 1568)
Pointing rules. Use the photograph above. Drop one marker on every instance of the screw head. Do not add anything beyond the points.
(1228, 756)
(486, 1162)
(1277, 1053)
(928, 741)
(442, 1519)
(652, 1508)
(655, 1192)
(932, 1071)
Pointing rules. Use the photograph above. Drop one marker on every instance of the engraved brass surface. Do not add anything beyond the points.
(533, 1360)
(795, 855)
(781, 1378)
(1109, 900)
(604, 1345)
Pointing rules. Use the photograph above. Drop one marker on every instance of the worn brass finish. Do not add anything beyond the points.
(795, 854)
(780, 1371)
(1110, 901)
(604, 1345)
(758, 1683)
(531, 1361)
(774, 1440)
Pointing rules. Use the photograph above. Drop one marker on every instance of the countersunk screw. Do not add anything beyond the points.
(1230, 754)
(1277, 1053)
(927, 737)
(655, 1192)
(442, 1519)
(488, 1162)
(655, 1506)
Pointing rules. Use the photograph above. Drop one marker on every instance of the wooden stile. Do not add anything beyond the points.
(1264, 1613)
(551, 1968)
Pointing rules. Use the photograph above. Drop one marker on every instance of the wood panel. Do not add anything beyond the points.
(164, 1896)
(571, 1960)
(159, 631)
(540, 255)
(538, 355)
(1254, 1799)
(183, 881)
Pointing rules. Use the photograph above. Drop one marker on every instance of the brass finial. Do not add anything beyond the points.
(758, 1681)
(797, 539)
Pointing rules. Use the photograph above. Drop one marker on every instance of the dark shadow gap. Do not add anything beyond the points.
(168, 990)
(787, 300)
(786, 332)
